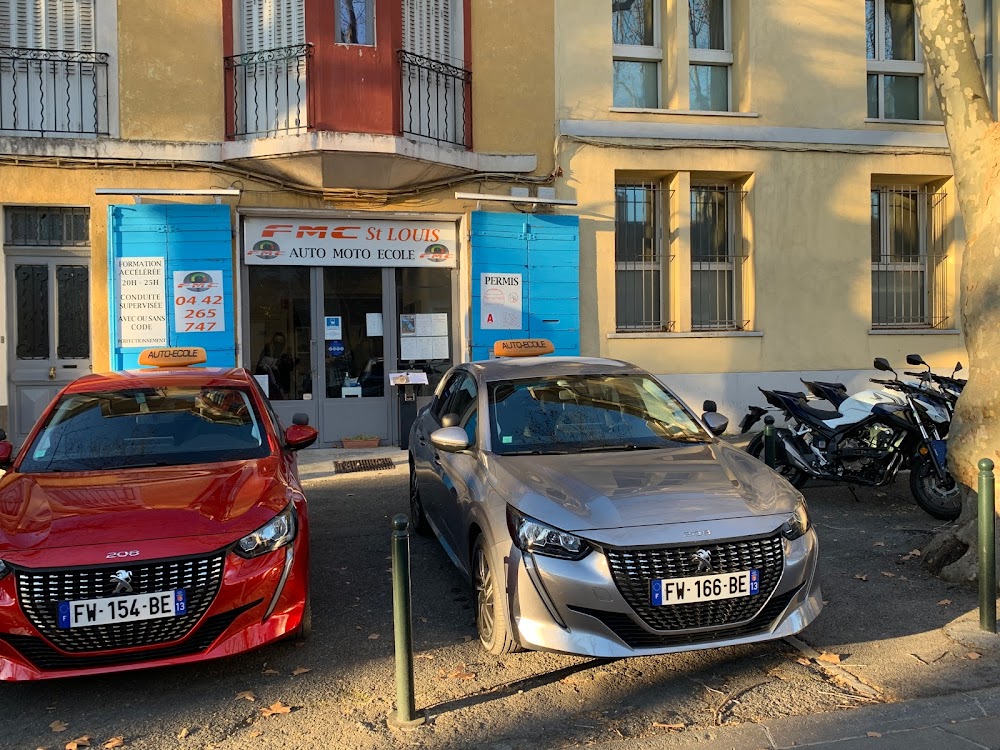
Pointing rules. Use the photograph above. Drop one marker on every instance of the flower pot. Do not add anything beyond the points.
(370, 443)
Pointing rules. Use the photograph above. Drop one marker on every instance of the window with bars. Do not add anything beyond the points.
(718, 258)
(895, 64)
(640, 267)
(909, 257)
(48, 226)
(637, 52)
(710, 55)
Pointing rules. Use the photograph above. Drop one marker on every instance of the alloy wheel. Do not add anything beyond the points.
(484, 595)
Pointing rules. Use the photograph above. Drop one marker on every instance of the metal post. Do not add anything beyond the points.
(769, 440)
(987, 548)
(405, 714)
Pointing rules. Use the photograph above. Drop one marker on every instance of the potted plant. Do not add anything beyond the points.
(361, 441)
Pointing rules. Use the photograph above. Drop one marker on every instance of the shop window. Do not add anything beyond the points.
(909, 259)
(281, 330)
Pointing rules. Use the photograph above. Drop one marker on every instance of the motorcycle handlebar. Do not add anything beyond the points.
(883, 382)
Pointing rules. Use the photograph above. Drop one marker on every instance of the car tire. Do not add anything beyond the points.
(418, 519)
(795, 477)
(304, 630)
(942, 500)
(490, 595)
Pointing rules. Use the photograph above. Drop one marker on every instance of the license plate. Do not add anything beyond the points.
(84, 612)
(666, 591)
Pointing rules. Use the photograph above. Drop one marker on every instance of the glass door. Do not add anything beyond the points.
(425, 321)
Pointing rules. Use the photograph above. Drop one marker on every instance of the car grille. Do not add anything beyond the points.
(636, 636)
(634, 569)
(44, 657)
(40, 592)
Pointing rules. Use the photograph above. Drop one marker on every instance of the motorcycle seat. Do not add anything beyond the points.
(821, 414)
(832, 386)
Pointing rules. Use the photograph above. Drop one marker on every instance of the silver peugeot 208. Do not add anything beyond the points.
(595, 514)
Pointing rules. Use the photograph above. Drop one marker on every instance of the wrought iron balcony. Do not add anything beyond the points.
(437, 100)
(49, 91)
(267, 92)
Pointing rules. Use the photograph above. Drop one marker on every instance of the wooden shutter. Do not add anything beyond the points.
(269, 24)
(48, 24)
(427, 28)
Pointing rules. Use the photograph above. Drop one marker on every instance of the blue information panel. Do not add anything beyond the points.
(170, 281)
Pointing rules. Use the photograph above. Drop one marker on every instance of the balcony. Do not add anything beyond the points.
(436, 100)
(45, 92)
(268, 92)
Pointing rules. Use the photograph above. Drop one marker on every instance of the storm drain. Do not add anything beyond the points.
(362, 464)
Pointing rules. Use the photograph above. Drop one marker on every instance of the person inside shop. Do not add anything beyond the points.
(277, 364)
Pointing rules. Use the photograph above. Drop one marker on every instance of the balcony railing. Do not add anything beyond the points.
(48, 91)
(268, 92)
(436, 100)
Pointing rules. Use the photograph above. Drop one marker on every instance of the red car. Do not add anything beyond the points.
(152, 517)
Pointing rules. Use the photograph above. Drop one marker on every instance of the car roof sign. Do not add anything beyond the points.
(522, 347)
(173, 357)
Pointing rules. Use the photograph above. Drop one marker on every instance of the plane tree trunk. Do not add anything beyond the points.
(974, 141)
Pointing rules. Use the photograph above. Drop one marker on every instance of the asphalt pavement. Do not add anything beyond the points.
(907, 647)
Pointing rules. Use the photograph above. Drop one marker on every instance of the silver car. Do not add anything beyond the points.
(595, 514)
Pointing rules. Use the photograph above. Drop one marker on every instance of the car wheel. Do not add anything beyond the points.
(795, 477)
(941, 499)
(304, 630)
(492, 619)
(418, 520)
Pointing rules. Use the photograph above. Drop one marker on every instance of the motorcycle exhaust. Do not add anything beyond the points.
(795, 458)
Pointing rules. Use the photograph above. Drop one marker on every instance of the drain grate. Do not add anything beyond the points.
(363, 464)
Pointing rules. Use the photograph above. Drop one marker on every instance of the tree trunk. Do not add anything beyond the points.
(974, 140)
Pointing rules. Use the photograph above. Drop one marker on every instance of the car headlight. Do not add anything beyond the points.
(534, 536)
(798, 523)
(273, 535)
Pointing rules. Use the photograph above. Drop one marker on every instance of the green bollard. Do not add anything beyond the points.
(769, 441)
(987, 548)
(405, 714)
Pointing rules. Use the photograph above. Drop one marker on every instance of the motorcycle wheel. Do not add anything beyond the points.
(943, 500)
(795, 477)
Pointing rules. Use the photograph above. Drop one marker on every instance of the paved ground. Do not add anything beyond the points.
(895, 659)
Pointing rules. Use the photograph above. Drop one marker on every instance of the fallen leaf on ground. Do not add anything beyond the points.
(276, 708)
(874, 734)
(271, 671)
(462, 674)
(58, 726)
(915, 553)
(424, 656)
(879, 544)
(861, 577)
(944, 602)
(113, 743)
(803, 661)
(183, 733)
(973, 655)
(79, 742)
(829, 658)
(374, 637)
(254, 734)
(660, 725)
(247, 695)
(301, 670)
(887, 574)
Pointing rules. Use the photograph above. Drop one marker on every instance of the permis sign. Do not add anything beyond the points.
(349, 242)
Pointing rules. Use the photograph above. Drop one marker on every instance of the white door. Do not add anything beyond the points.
(49, 332)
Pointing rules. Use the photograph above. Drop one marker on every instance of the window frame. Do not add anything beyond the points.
(370, 21)
(642, 53)
(881, 67)
(661, 258)
(724, 58)
(735, 258)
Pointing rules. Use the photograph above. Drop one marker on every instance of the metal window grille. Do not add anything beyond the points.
(909, 258)
(719, 253)
(640, 262)
(47, 226)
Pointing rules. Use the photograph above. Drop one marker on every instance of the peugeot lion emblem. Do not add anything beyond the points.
(702, 558)
(122, 580)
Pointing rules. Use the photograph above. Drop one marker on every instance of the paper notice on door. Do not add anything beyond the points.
(142, 302)
(439, 347)
(374, 324)
(439, 324)
(423, 347)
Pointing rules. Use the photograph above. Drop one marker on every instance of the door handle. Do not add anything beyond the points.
(52, 373)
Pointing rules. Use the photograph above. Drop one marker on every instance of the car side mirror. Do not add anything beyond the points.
(715, 422)
(6, 452)
(915, 359)
(300, 417)
(450, 439)
(300, 436)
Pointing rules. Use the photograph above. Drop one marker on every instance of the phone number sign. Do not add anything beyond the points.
(199, 302)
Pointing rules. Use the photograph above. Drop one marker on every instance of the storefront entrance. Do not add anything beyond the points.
(323, 340)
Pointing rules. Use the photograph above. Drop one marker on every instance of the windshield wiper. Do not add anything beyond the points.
(619, 447)
(537, 452)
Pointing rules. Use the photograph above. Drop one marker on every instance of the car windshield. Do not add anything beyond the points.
(148, 427)
(587, 412)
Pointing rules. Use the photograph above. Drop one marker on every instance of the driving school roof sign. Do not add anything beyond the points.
(348, 242)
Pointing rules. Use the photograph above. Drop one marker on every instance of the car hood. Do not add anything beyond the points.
(46, 510)
(593, 491)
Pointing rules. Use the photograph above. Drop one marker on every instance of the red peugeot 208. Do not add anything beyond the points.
(152, 517)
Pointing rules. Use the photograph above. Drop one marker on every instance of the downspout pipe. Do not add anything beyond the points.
(988, 56)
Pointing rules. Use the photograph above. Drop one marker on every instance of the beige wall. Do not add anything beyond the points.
(170, 82)
(513, 74)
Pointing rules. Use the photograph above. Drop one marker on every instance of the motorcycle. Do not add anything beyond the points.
(867, 440)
